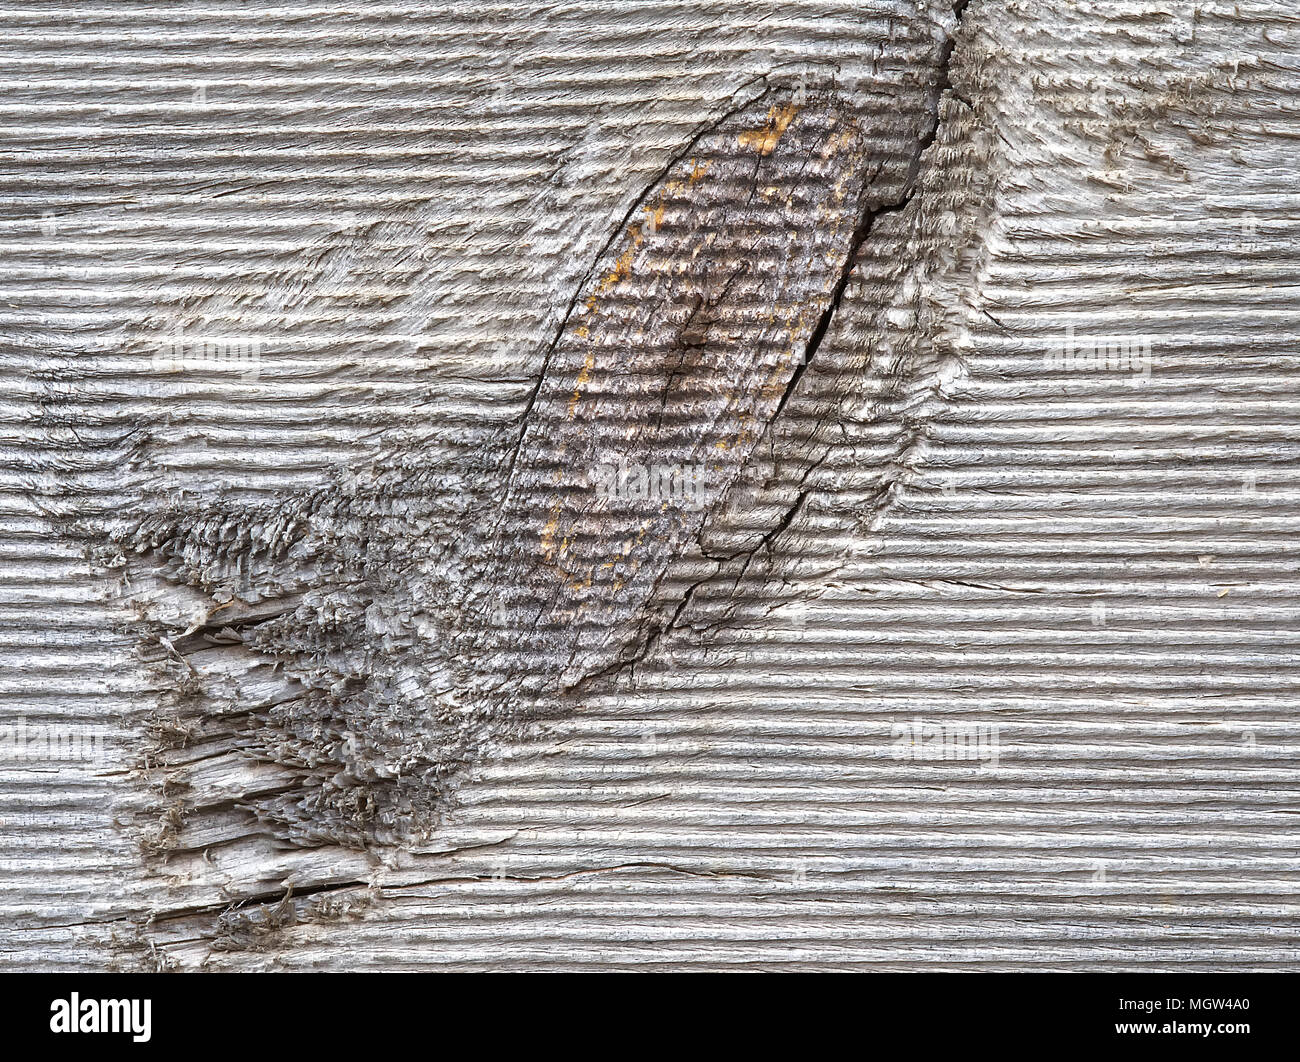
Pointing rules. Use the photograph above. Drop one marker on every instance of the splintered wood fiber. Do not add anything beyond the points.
(649, 485)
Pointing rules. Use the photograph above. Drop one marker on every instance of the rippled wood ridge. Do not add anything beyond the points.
(674, 357)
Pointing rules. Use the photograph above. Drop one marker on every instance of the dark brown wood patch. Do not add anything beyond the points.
(674, 357)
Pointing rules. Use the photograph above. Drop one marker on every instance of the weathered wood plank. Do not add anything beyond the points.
(979, 654)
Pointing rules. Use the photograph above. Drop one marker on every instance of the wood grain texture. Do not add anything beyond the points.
(668, 370)
(948, 529)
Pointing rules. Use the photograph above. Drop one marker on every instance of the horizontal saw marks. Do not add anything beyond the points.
(671, 363)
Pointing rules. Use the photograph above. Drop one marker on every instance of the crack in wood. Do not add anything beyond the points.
(415, 625)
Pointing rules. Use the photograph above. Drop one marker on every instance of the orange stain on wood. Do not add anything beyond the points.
(765, 139)
(548, 533)
(698, 170)
(583, 376)
(621, 271)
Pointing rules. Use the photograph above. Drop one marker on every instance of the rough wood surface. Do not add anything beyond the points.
(649, 484)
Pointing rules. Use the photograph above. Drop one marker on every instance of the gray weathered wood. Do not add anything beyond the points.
(331, 647)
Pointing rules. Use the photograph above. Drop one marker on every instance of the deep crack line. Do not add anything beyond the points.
(861, 233)
(658, 366)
